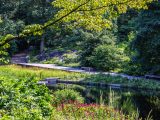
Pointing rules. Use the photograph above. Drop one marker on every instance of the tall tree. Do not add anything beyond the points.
(147, 40)
(125, 23)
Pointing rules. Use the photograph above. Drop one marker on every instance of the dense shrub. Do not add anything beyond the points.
(70, 58)
(23, 99)
(91, 41)
(106, 57)
(147, 40)
(54, 60)
(77, 88)
(4, 56)
(66, 95)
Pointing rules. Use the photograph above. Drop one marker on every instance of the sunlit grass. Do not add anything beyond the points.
(18, 71)
(14, 71)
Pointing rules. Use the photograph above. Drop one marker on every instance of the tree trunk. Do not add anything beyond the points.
(42, 44)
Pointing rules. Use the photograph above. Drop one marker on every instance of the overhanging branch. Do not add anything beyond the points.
(45, 26)
(59, 19)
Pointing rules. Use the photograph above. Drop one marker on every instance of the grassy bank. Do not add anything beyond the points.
(136, 83)
(22, 98)
(14, 71)
(18, 71)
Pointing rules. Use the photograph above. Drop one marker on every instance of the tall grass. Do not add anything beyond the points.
(18, 71)
(74, 110)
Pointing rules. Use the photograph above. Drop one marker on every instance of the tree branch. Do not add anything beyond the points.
(75, 9)
(9, 40)
(59, 19)
(45, 26)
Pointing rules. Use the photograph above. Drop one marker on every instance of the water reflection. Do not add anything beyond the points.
(128, 100)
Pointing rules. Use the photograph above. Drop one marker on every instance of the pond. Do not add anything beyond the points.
(127, 100)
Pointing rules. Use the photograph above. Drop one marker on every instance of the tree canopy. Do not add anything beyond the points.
(147, 39)
(91, 14)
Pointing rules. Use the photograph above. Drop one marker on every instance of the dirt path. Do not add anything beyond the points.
(19, 58)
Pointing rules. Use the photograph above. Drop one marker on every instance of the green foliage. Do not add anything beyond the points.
(133, 69)
(1, 21)
(135, 83)
(128, 106)
(3, 50)
(70, 58)
(66, 95)
(77, 88)
(94, 15)
(147, 40)
(9, 26)
(54, 60)
(41, 74)
(4, 59)
(99, 50)
(79, 111)
(125, 23)
(91, 41)
(22, 19)
(67, 59)
(22, 98)
(107, 57)
(36, 29)
(8, 29)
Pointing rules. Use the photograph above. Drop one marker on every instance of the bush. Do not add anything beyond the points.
(66, 95)
(70, 58)
(106, 57)
(23, 99)
(99, 50)
(54, 60)
(92, 41)
(67, 59)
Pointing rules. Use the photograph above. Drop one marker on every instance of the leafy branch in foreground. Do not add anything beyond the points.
(91, 14)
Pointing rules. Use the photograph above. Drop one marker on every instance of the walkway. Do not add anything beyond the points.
(70, 69)
(19, 58)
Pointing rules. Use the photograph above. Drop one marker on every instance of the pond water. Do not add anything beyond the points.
(144, 102)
